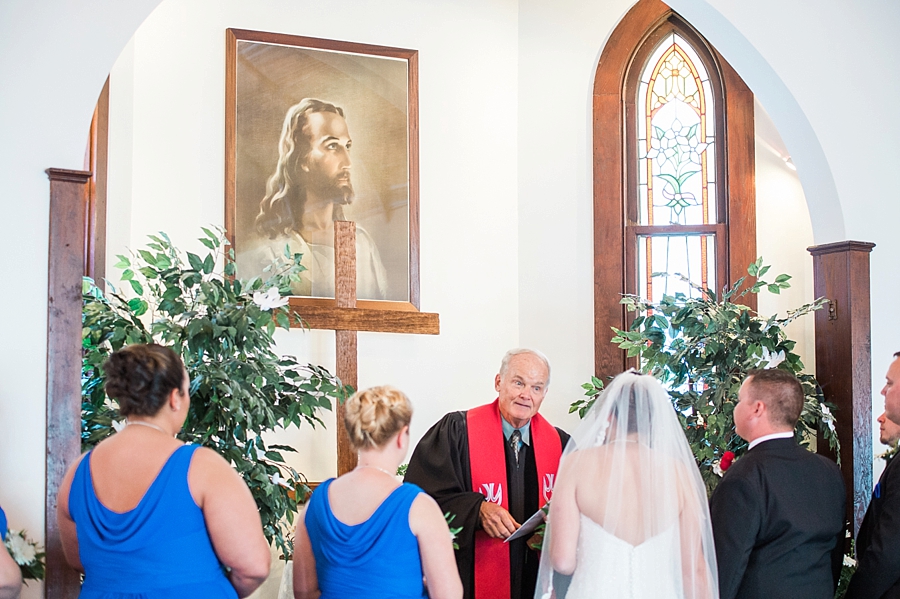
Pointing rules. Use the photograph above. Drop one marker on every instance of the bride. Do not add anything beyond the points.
(629, 516)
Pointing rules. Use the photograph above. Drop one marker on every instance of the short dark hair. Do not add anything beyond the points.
(897, 354)
(141, 376)
(782, 393)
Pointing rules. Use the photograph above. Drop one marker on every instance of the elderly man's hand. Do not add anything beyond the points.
(496, 521)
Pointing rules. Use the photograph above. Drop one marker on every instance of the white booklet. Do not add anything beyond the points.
(528, 527)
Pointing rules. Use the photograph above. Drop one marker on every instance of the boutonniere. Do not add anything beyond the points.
(724, 464)
(889, 453)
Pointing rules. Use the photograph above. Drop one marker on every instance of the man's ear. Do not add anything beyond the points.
(760, 408)
(497, 383)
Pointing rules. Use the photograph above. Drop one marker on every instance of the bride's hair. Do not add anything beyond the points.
(630, 410)
(636, 481)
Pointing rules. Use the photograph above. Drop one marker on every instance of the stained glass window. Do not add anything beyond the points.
(676, 132)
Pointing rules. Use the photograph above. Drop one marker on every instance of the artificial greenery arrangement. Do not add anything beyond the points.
(223, 329)
(701, 348)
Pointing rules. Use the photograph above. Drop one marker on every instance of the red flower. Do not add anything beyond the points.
(727, 459)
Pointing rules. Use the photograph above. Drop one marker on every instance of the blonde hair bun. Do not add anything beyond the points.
(374, 415)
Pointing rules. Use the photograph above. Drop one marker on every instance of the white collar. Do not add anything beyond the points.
(758, 440)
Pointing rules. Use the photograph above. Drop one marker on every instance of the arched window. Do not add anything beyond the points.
(673, 169)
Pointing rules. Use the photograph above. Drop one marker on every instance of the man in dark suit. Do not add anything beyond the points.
(878, 542)
(778, 513)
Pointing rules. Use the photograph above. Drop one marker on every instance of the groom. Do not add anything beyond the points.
(778, 514)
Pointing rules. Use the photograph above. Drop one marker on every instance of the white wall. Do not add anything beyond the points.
(167, 173)
(830, 107)
(783, 232)
(836, 60)
(54, 58)
(505, 166)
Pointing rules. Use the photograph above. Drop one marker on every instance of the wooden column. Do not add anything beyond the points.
(843, 362)
(68, 198)
(345, 297)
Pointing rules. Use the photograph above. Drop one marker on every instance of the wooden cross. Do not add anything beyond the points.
(345, 319)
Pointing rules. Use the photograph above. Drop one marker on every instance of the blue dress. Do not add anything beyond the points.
(160, 549)
(2, 525)
(377, 559)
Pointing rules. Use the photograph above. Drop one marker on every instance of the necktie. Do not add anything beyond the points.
(514, 439)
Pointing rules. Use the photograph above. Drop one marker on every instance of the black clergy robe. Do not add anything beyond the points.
(440, 465)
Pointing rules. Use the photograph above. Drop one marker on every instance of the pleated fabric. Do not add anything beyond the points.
(160, 549)
(377, 559)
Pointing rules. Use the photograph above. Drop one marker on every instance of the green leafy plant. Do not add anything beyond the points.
(702, 348)
(223, 329)
(454, 530)
(848, 569)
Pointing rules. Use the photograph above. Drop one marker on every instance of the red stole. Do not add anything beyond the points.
(487, 460)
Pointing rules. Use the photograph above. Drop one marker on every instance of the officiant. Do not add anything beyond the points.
(492, 467)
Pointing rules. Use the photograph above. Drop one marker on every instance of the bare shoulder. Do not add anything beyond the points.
(66, 485)
(424, 514)
(208, 458)
(424, 504)
(209, 471)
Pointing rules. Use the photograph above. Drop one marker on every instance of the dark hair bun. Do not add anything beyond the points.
(141, 377)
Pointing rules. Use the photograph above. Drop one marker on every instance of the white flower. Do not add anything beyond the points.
(277, 480)
(20, 549)
(849, 561)
(771, 360)
(828, 417)
(118, 425)
(270, 299)
(717, 468)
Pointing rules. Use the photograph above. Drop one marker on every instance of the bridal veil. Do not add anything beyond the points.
(629, 515)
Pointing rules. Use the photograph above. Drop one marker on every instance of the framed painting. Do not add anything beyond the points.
(317, 131)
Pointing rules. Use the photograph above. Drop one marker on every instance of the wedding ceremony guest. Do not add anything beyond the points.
(878, 542)
(888, 431)
(492, 467)
(778, 513)
(629, 516)
(10, 575)
(143, 514)
(365, 534)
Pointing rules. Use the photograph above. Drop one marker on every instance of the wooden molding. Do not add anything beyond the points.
(68, 176)
(844, 362)
(68, 198)
(840, 247)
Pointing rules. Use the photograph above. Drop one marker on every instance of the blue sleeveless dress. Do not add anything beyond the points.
(377, 559)
(160, 549)
(2, 525)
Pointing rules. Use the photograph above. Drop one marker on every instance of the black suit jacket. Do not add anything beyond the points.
(778, 524)
(878, 542)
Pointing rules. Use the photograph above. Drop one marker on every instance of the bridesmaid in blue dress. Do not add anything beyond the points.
(365, 534)
(10, 575)
(145, 516)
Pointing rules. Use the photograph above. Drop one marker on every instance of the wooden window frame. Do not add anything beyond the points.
(615, 169)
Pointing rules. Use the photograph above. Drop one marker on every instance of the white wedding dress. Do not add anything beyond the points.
(629, 517)
(623, 570)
